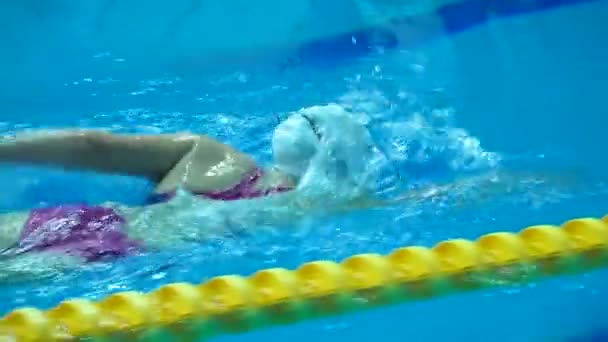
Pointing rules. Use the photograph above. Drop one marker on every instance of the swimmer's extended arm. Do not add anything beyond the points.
(468, 192)
(458, 194)
(150, 156)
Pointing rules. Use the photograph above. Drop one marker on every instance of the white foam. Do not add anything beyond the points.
(419, 139)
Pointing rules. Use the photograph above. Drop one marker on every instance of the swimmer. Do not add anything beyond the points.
(316, 142)
(319, 154)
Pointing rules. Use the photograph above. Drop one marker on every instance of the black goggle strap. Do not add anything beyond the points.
(313, 126)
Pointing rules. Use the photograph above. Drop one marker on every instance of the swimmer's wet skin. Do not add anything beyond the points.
(197, 164)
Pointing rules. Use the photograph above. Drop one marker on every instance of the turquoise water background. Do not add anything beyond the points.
(524, 79)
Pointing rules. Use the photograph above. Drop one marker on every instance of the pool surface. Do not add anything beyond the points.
(454, 92)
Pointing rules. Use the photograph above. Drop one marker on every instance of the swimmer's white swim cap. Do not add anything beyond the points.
(294, 144)
(325, 137)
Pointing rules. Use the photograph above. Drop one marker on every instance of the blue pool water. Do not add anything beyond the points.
(452, 90)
